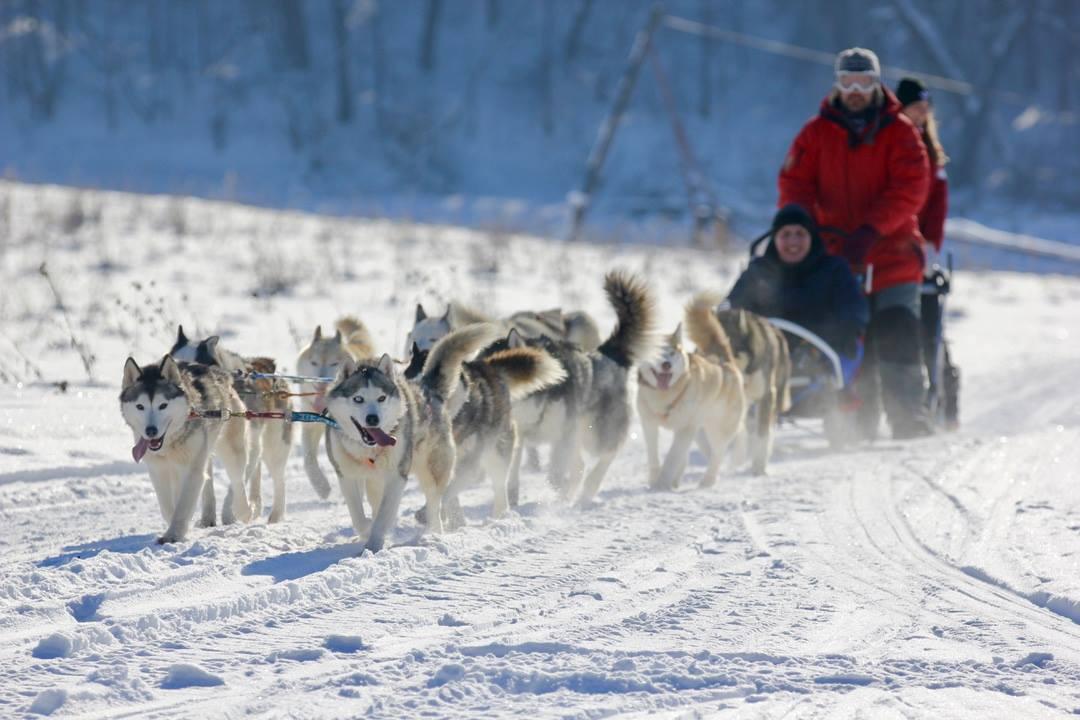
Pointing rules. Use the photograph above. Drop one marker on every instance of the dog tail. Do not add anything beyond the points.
(356, 336)
(443, 365)
(705, 330)
(526, 370)
(634, 337)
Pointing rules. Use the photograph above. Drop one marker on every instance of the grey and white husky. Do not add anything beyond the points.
(156, 402)
(482, 417)
(589, 410)
(388, 427)
(323, 357)
(576, 327)
(269, 440)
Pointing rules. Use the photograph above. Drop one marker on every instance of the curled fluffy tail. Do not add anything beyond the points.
(705, 330)
(633, 338)
(356, 336)
(443, 366)
(526, 370)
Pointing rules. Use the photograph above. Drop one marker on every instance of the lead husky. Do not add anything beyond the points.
(269, 441)
(387, 428)
(482, 419)
(575, 327)
(589, 411)
(323, 357)
(157, 403)
(691, 392)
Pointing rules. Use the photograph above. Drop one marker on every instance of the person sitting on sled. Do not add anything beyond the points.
(797, 280)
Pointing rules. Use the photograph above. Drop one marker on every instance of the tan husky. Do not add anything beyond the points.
(324, 357)
(691, 394)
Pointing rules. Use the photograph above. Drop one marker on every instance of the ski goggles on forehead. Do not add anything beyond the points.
(856, 81)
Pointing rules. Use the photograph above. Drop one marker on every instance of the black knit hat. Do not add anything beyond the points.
(911, 90)
(794, 215)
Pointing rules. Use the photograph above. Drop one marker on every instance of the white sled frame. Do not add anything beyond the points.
(815, 340)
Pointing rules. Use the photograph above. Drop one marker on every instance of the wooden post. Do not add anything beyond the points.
(581, 199)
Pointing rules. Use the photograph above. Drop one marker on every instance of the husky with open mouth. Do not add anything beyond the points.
(388, 427)
(695, 395)
(157, 402)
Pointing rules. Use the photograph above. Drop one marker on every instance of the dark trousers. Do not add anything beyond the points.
(893, 376)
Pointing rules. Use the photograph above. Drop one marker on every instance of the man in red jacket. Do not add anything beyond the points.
(862, 169)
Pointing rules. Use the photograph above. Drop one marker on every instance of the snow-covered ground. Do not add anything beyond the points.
(936, 578)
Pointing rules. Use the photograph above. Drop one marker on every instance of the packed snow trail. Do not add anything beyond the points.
(931, 579)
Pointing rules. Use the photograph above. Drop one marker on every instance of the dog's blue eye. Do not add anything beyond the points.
(139, 407)
(162, 406)
(382, 398)
(358, 399)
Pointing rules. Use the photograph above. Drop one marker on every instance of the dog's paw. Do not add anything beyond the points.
(374, 545)
(256, 506)
(276, 515)
(207, 521)
(169, 539)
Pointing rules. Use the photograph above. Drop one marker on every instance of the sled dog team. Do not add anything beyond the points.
(475, 393)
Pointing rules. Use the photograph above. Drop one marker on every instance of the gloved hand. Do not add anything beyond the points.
(858, 245)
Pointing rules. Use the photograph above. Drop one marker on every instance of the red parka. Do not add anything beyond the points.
(878, 177)
(932, 216)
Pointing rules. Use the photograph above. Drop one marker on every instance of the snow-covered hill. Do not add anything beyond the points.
(925, 579)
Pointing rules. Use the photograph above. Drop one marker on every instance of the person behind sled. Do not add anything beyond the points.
(861, 168)
(797, 280)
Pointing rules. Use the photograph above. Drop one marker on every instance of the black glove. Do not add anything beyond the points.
(858, 244)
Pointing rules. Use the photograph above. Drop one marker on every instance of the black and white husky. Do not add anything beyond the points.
(588, 412)
(157, 402)
(389, 428)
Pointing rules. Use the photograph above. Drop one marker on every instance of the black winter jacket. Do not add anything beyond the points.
(820, 293)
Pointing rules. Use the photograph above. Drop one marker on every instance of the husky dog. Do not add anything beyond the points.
(590, 409)
(388, 427)
(323, 357)
(481, 416)
(157, 403)
(761, 353)
(690, 393)
(576, 327)
(269, 441)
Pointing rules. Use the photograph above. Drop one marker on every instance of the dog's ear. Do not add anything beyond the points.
(170, 371)
(448, 315)
(553, 316)
(132, 373)
(212, 347)
(337, 335)
(677, 336)
(181, 338)
(386, 365)
(514, 339)
(318, 333)
(420, 314)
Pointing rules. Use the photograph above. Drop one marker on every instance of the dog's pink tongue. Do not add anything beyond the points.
(140, 449)
(380, 437)
(663, 380)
